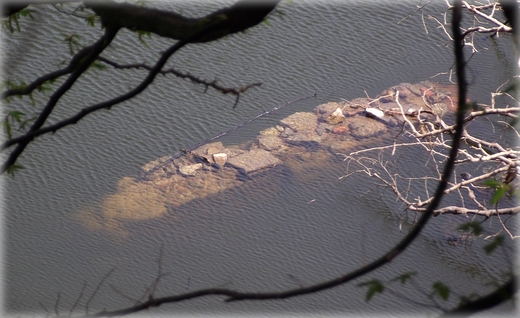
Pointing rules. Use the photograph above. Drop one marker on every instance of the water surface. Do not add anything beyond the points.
(264, 236)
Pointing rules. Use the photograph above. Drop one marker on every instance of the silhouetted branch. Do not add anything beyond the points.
(41, 80)
(11, 8)
(194, 79)
(236, 18)
(97, 289)
(24, 139)
(79, 298)
(57, 304)
(90, 55)
(498, 296)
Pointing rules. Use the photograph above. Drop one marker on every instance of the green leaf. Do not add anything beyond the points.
(472, 227)
(13, 168)
(26, 122)
(17, 23)
(26, 13)
(98, 65)
(442, 290)
(72, 41)
(7, 126)
(7, 83)
(142, 34)
(7, 25)
(499, 193)
(404, 277)
(45, 87)
(497, 241)
(33, 102)
(513, 88)
(492, 183)
(91, 19)
(474, 106)
(374, 286)
(16, 115)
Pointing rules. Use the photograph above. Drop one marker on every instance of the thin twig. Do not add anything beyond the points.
(98, 287)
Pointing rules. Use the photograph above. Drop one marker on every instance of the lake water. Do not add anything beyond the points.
(287, 229)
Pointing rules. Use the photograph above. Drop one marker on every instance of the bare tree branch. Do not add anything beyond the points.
(194, 79)
(498, 296)
(11, 8)
(91, 54)
(97, 289)
(103, 105)
(240, 16)
(78, 299)
(38, 82)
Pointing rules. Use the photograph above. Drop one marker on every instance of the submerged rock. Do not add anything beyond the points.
(271, 131)
(206, 151)
(360, 127)
(336, 117)
(300, 141)
(306, 138)
(254, 160)
(361, 102)
(374, 112)
(270, 142)
(327, 108)
(341, 130)
(189, 170)
(440, 109)
(323, 128)
(220, 158)
(300, 121)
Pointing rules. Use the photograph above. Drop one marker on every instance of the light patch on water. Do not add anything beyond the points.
(133, 201)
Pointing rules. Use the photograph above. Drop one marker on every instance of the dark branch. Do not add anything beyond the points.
(501, 294)
(107, 104)
(88, 56)
(74, 62)
(240, 16)
(194, 79)
(37, 83)
(11, 8)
